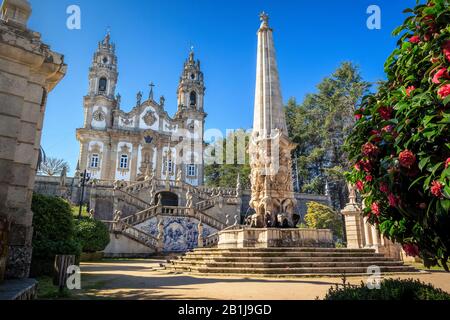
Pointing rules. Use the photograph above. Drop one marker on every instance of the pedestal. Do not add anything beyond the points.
(275, 238)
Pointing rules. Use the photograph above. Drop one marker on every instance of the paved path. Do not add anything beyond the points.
(145, 279)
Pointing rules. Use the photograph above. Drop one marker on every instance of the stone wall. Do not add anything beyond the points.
(51, 186)
(29, 70)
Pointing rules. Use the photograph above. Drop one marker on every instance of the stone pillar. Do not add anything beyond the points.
(353, 216)
(134, 162)
(200, 235)
(367, 233)
(29, 70)
(375, 238)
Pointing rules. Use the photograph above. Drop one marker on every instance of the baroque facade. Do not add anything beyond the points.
(130, 146)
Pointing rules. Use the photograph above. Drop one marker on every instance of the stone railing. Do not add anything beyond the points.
(141, 216)
(206, 204)
(132, 232)
(192, 213)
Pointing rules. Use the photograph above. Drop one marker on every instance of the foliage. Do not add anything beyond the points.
(320, 125)
(320, 216)
(48, 291)
(219, 173)
(92, 234)
(390, 289)
(400, 145)
(53, 166)
(53, 232)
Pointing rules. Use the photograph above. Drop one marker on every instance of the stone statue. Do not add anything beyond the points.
(159, 204)
(92, 213)
(179, 176)
(62, 178)
(200, 235)
(162, 101)
(139, 98)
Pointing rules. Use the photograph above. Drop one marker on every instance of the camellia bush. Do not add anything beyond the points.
(400, 146)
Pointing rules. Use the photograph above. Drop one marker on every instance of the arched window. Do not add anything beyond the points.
(95, 160)
(102, 85)
(193, 98)
(123, 161)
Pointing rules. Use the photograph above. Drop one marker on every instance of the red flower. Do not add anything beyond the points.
(447, 163)
(377, 134)
(446, 49)
(384, 187)
(358, 116)
(360, 185)
(369, 149)
(385, 112)
(411, 250)
(441, 73)
(369, 178)
(409, 90)
(393, 200)
(436, 189)
(444, 91)
(375, 209)
(406, 158)
(367, 166)
(414, 39)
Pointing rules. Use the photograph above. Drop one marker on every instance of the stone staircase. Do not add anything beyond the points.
(287, 262)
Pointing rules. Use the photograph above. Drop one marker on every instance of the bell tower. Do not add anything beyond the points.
(103, 72)
(191, 89)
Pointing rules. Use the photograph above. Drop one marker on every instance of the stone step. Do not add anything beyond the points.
(277, 254)
(280, 250)
(283, 259)
(283, 265)
(290, 271)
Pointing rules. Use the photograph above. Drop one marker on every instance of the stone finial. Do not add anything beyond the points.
(138, 98)
(16, 12)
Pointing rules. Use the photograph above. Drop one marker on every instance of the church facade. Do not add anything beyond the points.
(145, 142)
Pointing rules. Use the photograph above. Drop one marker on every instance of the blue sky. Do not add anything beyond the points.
(153, 38)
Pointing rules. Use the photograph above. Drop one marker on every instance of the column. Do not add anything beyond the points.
(367, 233)
(375, 237)
(134, 162)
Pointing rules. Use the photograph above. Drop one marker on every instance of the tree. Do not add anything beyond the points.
(320, 126)
(400, 146)
(320, 216)
(222, 174)
(53, 167)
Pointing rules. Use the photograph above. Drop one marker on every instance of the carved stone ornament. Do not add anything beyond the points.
(149, 118)
(127, 122)
(99, 115)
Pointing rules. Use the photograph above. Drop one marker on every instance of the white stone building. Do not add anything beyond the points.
(128, 146)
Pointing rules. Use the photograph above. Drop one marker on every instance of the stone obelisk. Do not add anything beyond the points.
(270, 147)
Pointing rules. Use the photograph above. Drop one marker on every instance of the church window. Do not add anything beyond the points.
(193, 76)
(168, 164)
(102, 85)
(95, 160)
(191, 170)
(123, 161)
(193, 98)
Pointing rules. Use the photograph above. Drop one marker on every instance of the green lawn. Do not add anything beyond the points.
(75, 211)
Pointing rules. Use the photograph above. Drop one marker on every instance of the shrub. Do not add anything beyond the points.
(320, 216)
(400, 145)
(53, 233)
(92, 234)
(390, 289)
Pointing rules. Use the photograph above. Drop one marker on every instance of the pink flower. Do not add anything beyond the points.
(411, 250)
(409, 90)
(388, 128)
(369, 149)
(442, 73)
(375, 209)
(406, 158)
(369, 178)
(414, 39)
(384, 187)
(358, 116)
(436, 189)
(446, 49)
(359, 185)
(447, 163)
(444, 91)
(393, 200)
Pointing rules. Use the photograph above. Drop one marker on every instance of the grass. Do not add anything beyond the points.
(420, 266)
(75, 211)
(48, 291)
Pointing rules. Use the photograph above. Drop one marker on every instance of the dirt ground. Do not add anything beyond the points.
(145, 279)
